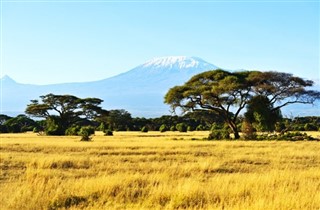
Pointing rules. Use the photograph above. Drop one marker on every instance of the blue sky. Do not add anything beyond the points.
(45, 42)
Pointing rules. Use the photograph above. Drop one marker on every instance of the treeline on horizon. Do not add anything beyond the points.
(121, 120)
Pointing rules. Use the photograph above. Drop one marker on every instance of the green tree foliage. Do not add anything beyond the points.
(200, 128)
(64, 111)
(73, 130)
(173, 128)
(86, 132)
(203, 117)
(163, 128)
(308, 123)
(261, 114)
(3, 119)
(181, 127)
(118, 120)
(222, 134)
(20, 123)
(189, 128)
(144, 129)
(138, 123)
(227, 94)
(310, 127)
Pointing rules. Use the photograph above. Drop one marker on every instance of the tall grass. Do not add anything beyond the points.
(157, 171)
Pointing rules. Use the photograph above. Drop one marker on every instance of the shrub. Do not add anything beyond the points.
(294, 136)
(53, 127)
(181, 127)
(189, 128)
(36, 130)
(280, 126)
(144, 129)
(289, 136)
(200, 128)
(310, 127)
(219, 134)
(108, 132)
(163, 128)
(86, 132)
(248, 131)
(173, 128)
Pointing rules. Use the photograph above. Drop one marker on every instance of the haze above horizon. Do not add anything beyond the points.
(46, 42)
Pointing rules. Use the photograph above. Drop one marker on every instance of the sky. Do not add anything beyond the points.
(47, 42)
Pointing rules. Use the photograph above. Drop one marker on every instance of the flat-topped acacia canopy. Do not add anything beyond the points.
(220, 91)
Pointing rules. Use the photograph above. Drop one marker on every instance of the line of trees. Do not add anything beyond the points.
(121, 120)
(114, 120)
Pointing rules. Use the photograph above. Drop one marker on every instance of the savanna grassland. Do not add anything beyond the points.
(134, 170)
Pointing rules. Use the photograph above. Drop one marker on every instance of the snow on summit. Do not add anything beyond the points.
(177, 62)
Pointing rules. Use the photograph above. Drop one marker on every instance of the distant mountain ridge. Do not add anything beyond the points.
(139, 90)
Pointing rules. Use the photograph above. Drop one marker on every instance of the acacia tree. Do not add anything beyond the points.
(227, 94)
(63, 111)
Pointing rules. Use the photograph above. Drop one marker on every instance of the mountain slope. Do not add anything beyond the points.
(140, 90)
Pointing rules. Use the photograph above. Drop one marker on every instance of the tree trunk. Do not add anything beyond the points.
(236, 134)
(234, 129)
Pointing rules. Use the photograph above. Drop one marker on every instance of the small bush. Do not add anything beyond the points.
(36, 130)
(289, 136)
(310, 127)
(144, 129)
(189, 128)
(173, 128)
(86, 132)
(163, 128)
(181, 127)
(108, 132)
(280, 126)
(248, 131)
(219, 135)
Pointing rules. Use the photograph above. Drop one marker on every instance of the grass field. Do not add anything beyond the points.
(133, 170)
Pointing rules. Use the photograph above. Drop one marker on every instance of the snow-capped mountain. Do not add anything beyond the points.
(140, 90)
(177, 62)
(159, 74)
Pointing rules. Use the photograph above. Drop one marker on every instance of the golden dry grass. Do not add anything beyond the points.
(133, 170)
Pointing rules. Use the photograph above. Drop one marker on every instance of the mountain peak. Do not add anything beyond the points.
(7, 79)
(180, 62)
